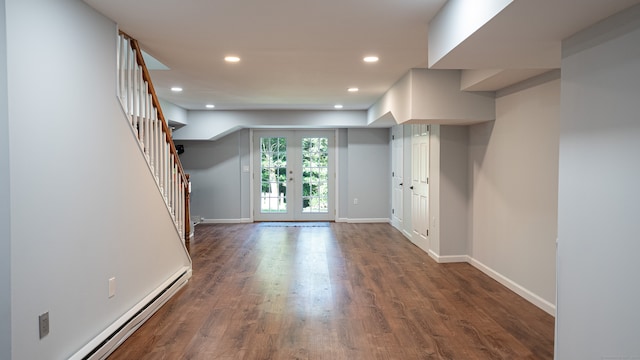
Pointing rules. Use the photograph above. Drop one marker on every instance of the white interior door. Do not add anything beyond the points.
(397, 180)
(420, 185)
(294, 175)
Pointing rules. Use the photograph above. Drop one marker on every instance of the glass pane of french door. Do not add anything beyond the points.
(315, 175)
(273, 175)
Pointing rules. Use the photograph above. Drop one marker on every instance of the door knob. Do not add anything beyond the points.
(400, 184)
(411, 188)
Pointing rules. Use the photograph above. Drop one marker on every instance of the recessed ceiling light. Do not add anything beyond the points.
(338, 106)
(232, 59)
(176, 89)
(371, 59)
(210, 106)
(353, 89)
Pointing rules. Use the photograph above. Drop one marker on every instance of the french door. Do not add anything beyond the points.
(293, 175)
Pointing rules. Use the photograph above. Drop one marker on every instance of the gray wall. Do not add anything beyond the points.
(369, 173)
(221, 191)
(599, 197)
(514, 179)
(219, 187)
(84, 206)
(454, 190)
(5, 226)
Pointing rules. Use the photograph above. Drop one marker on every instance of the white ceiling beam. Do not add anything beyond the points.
(457, 21)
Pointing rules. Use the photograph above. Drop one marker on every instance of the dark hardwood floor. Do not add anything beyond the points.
(335, 291)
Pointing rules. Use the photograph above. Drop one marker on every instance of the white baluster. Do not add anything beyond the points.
(137, 101)
(152, 145)
(130, 89)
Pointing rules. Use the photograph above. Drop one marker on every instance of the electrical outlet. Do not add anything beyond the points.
(112, 287)
(43, 321)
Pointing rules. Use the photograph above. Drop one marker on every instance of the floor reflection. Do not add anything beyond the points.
(294, 271)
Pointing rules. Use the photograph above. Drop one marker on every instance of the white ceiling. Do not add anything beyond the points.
(304, 54)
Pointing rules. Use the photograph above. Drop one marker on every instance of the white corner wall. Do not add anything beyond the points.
(396, 101)
(173, 112)
(84, 207)
(5, 224)
(514, 183)
(599, 196)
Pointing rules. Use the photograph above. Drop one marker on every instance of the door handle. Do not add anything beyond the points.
(400, 184)
(290, 179)
(411, 187)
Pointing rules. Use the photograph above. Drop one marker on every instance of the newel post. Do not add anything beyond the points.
(187, 210)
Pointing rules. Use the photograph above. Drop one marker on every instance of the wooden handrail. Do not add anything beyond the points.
(154, 97)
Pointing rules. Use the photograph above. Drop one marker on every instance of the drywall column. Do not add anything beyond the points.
(454, 193)
(369, 175)
(599, 196)
(5, 224)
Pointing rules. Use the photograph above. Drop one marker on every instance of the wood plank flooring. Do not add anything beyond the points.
(335, 291)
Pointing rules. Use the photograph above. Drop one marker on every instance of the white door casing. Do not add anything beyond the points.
(397, 181)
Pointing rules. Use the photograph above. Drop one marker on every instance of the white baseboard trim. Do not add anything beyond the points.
(368, 220)
(226, 221)
(107, 341)
(449, 258)
(515, 287)
(342, 220)
(536, 300)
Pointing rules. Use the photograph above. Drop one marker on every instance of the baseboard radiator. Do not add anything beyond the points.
(109, 340)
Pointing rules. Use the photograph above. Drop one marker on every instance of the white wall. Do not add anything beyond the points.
(369, 174)
(84, 207)
(219, 190)
(5, 225)
(514, 179)
(599, 197)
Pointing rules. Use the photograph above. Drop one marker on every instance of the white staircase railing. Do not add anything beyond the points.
(140, 103)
